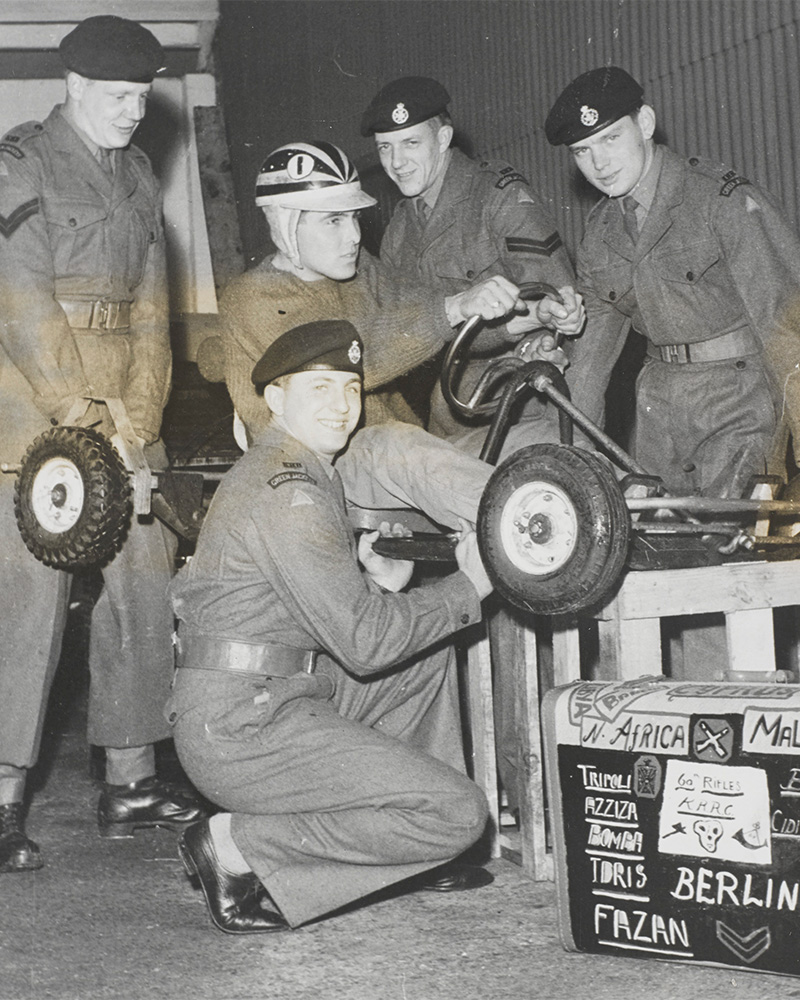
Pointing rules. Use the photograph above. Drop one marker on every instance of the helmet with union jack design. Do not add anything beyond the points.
(312, 177)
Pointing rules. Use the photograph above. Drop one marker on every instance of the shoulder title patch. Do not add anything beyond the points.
(288, 477)
(544, 248)
(731, 180)
(10, 224)
(14, 150)
(509, 179)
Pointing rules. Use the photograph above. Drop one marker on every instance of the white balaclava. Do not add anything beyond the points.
(282, 224)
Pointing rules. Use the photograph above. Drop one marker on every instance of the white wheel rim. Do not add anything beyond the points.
(57, 495)
(538, 528)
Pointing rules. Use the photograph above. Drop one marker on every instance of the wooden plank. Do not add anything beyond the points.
(732, 587)
(566, 654)
(23, 11)
(481, 720)
(751, 641)
(629, 648)
(48, 36)
(533, 838)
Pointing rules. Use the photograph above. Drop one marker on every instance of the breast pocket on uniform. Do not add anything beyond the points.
(697, 290)
(688, 265)
(72, 224)
(470, 263)
(612, 281)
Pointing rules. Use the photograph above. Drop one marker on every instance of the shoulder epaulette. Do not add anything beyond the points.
(504, 174)
(14, 139)
(728, 179)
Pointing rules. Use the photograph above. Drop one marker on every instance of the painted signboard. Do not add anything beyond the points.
(675, 811)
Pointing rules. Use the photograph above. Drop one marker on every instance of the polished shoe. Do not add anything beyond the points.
(238, 904)
(17, 852)
(455, 877)
(147, 803)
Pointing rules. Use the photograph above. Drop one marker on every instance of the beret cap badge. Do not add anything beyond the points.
(354, 353)
(589, 116)
(400, 114)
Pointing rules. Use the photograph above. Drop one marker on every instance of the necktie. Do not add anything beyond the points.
(104, 159)
(629, 220)
(422, 211)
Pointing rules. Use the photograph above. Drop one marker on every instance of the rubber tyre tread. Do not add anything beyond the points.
(103, 523)
(604, 530)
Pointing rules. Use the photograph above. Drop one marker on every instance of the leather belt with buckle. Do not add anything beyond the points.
(201, 652)
(738, 344)
(96, 315)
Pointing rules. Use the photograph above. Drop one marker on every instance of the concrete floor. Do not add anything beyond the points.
(118, 920)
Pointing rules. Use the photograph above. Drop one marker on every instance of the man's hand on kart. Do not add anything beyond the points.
(567, 318)
(389, 574)
(119, 444)
(491, 299)
(542, 347)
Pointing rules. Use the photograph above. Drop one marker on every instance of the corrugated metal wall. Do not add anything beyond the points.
(722, 75)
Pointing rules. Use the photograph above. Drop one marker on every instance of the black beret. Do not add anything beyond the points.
(403, 103)
(590, 103)
(331, 344)
(107, 47)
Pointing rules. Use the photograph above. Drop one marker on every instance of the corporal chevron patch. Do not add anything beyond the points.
(10, 224)
(544, 248)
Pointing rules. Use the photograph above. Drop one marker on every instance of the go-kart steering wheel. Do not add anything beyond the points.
(474, 407)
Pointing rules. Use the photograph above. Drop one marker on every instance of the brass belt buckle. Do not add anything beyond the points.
(104, 315)
(676, 354)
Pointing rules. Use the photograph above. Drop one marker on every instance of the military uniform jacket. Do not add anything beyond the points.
(68, 231)
(400, 327)
(715, 255)
(486, 221)
(276, 563)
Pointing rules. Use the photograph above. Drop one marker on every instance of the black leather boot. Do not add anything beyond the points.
(237, 904)
(146, 803)
(17, 852)
(455, 877)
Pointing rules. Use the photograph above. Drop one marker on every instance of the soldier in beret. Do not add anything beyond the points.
(84, 305)
(459, 221)
(301, 705)
(703, 264)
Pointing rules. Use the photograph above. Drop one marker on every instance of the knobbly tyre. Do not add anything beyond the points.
(75, 494)
(558, 523)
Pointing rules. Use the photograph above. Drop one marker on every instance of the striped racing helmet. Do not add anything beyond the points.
(311, 176)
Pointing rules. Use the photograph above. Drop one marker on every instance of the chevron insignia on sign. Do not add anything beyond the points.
(10, 224)
(746, 947)
(545, 248)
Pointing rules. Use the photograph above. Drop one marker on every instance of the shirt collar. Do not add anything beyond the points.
(431, 196)
(645, 190)
(90, 144)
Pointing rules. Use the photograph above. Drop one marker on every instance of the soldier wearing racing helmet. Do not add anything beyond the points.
(310, 194)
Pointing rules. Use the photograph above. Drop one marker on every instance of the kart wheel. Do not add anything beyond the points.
(553, 529)
(72, 499)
